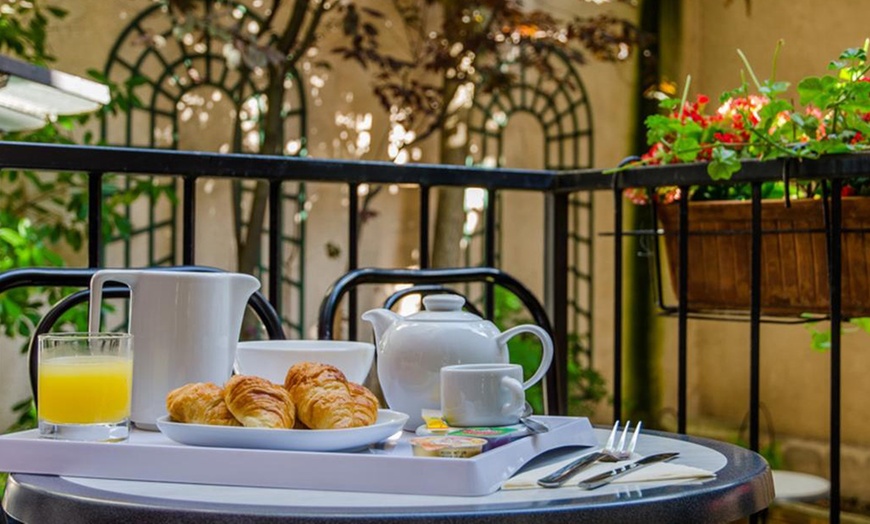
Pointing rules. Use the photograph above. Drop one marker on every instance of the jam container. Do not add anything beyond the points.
(447, 446)
(495, 437)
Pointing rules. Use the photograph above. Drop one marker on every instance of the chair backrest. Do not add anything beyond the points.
(427, 281)
(81, 277)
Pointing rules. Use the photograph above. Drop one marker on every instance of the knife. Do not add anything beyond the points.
(606, 478)
(558, 477)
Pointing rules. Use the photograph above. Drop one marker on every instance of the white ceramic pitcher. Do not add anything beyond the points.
(185, 328)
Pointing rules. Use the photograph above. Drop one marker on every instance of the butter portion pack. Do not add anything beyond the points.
(494, 436)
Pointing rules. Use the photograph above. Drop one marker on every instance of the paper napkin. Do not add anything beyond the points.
(655, 472)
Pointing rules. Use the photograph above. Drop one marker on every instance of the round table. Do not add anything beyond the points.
(743, 486)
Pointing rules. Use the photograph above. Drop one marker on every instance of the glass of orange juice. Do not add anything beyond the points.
(84, 386)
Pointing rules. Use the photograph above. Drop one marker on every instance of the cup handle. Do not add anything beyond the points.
(518, 396)
(546, 345)
(124, 276)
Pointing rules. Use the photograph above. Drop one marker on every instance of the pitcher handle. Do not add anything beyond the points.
(124, 276)
(546, 345)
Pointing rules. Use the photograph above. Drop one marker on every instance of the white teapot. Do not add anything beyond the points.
(412, 350)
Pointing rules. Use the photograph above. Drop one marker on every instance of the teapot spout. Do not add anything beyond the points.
(381, 320)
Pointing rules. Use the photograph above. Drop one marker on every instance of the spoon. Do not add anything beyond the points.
(534, 426)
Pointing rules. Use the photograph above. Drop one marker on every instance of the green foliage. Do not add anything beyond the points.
(524, 349)
(586, 387)
(821, 337)
(23, 29)
(763, 123)
(768, 446)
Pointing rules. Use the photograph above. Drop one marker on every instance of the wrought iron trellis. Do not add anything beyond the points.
(165, 71)
(178, 79)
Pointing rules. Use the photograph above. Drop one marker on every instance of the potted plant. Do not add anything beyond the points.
(833, 117)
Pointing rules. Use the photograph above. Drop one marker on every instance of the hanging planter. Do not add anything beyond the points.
(794, 256)
(834, 118)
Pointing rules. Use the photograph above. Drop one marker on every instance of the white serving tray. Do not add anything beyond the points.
(383, 469)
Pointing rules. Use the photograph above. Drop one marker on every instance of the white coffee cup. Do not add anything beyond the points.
(482, 394)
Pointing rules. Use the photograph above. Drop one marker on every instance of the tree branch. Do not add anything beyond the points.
(311, 32)
(291, 31)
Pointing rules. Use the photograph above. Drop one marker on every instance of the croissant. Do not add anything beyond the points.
(199, 403)
(326, 400)
(258, 403)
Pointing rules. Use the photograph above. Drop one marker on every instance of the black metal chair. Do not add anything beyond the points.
(428, 281)
(81, 277)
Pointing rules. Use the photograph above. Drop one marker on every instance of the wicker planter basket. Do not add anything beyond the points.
(794, 262)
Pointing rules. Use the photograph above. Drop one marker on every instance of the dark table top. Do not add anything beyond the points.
(743, 485)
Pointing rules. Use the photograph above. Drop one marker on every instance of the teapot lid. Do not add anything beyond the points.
(444, 307)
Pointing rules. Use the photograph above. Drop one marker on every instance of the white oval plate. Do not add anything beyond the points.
(388, 423)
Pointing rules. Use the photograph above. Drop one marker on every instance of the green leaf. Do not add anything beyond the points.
(74, 238)
(774, 108)
(854, 53)
(58, 12)
(821, 340)
(862, 322)
(724, 164)
(686, 148)
(11, 237)
(772, 190)
(669, 104)
(98, 75)
(136, 80)
(772, 89)
(819, 92)
(829, 147)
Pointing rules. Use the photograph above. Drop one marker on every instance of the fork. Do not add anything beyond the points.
(611, 452)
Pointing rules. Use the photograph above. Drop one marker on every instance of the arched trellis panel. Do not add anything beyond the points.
(555, 98)
(189, 90)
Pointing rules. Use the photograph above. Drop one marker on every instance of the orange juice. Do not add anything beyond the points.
(85, 390)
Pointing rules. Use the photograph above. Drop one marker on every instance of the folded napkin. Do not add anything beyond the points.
(655, 472)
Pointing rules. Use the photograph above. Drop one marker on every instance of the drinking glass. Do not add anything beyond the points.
(85, 385)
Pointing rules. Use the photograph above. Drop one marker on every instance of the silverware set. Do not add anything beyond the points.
(613, 451)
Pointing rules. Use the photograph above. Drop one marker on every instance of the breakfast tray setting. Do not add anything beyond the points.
(152, 456)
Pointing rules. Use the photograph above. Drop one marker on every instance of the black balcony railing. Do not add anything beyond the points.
(831, 171)
(556, 186)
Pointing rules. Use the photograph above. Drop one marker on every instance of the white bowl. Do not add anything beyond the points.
(271, 359)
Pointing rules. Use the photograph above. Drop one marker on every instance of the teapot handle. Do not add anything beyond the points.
(546, 345)
(124, 276)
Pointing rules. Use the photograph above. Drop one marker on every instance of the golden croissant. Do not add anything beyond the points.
(326, 400)
(258, 403)
(199, 403)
